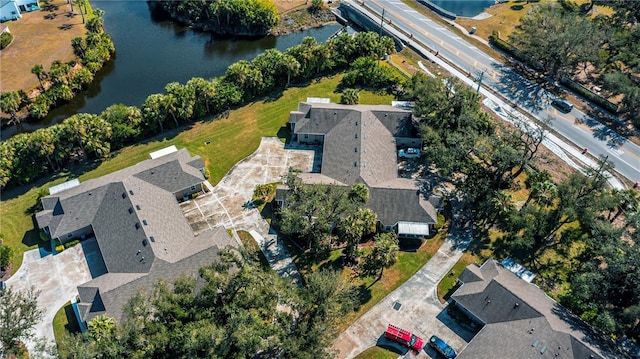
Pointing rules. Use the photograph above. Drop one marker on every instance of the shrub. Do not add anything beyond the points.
(5, 39)
(71, 243)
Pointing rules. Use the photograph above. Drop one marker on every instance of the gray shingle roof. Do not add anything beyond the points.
(360, 147)
(112, 291)
(393, 205)
(141, 232)
(491, 293)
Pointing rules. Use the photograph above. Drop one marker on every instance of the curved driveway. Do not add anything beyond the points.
(413, 306)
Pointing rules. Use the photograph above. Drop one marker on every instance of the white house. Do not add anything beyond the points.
(12, 9)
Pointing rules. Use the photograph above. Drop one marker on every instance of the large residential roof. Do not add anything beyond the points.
(109, 293)
(359, 140)
(132, 211)
(521, 321)
(141, 232)
(359, 146)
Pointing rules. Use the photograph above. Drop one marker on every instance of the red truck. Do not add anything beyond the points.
(404, 337)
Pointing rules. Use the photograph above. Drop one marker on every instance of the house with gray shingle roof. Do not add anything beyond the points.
(360, 145)
(141, 232)
(519, 320)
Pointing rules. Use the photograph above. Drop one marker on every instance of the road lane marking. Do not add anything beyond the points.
(424, 19)
(412, 11)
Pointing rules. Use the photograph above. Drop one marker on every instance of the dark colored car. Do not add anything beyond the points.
(562, 105)
(442, 347)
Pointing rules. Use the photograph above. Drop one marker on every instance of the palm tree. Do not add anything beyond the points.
(204, 91)
(153, 111)
(543, 193)
(79, 3)
(39, 72)
(383, 255)
(11, 102)
(350, 97)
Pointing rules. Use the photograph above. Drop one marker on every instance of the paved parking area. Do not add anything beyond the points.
(228, 203)
(57, 277)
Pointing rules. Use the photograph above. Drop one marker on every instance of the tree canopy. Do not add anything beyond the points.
(229, 17)
(232, 309)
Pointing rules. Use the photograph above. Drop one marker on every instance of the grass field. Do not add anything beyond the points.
(40, 37)
(378, 353)
(61, 323)
(231, 139)
(506, 16)
(448, 282)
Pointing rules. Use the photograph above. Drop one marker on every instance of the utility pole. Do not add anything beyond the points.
(480, 81)
(381, 22)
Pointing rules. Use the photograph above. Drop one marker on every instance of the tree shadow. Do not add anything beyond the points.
(410, 244)
(284, 133)
(606, 127)
(520, 90)
(72, 325)
(363, 294)
(336, 264)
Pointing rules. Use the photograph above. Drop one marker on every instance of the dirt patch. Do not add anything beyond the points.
(40, 37)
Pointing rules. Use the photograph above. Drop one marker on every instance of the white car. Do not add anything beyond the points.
(409, 153)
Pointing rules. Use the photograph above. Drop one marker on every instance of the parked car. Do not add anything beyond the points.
(409, 153)
(442, 347)
(404, 337)
(562, 105)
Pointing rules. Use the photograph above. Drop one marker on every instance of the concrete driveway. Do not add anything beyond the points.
(414, 306)
(57, 277)
(229, 204)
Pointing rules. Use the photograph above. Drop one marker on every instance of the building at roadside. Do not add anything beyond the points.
(360, 145)
(141, 232)
(519, 320)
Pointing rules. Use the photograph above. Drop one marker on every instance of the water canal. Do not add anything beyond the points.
(464, 8)
(152, 51)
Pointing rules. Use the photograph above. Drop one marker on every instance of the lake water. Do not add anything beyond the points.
(464, 8)
(152, 51)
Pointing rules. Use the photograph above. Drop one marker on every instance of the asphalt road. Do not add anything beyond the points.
(576, 127)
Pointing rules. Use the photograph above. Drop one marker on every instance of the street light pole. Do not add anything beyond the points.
(381, 22)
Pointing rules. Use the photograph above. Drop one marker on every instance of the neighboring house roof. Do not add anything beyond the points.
(137, 222)
(359, 146)
(521, 321)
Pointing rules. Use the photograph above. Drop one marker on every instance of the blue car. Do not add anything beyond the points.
(442, 347)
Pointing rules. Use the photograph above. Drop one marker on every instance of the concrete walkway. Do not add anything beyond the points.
(229, 202)
(414, 306)
(57, 277)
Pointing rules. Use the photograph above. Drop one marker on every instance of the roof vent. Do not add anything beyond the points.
(137, 225)
(356, 149)
(144, 221)
(544, 349)
(516, 305)
(131, 192)
(130, 210)
(535, 343)
(138, 207)
(356, 122)
(152, 239)
(124, 195)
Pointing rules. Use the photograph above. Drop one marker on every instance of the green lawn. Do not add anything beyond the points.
(448, 282)
(231, 139)
(64, 322)
(378, 353)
